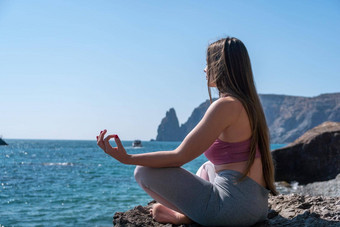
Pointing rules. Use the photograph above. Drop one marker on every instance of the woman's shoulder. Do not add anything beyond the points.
(228, 102)
(228, 105)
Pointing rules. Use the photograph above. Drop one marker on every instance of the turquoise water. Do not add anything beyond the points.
(68, 183)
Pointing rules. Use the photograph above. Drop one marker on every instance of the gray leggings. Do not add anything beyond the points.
(217, 202)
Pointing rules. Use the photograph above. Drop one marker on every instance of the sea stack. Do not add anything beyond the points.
(2, 142)
(169, 129)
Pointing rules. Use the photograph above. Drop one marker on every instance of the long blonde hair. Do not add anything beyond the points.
(228, 66)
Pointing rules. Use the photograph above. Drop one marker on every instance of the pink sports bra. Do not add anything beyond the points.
(221, 152)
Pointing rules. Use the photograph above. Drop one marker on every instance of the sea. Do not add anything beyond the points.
(70, 183)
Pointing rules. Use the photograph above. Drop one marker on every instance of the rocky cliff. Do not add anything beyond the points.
(169, 129)
(287, 116)
(193, 120)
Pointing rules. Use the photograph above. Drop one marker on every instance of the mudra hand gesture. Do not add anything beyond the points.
(118, 152)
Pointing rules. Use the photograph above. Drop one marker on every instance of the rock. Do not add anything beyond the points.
(325, 188)
(287, 117)
(283, 210)
(2, 142)
(300, 210)
(195, 117)
(169, 129)
(315, 156)
(139, 216)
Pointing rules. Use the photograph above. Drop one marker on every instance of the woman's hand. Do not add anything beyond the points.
(100, 140)
(118, 152)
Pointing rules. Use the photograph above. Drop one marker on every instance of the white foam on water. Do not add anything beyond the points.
(294, 185)
(58, 164)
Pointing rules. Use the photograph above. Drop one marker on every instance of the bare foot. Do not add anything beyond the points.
(163, 214)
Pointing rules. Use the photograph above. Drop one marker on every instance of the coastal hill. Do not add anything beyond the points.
(288, 117)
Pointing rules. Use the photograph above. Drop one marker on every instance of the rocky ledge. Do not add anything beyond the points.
(284, 210)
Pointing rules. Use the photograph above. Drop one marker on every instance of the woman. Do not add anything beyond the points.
(234, 137)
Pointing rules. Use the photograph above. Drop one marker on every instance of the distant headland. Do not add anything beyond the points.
(287, 117)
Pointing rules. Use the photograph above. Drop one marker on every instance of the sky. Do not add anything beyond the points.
(69, 69)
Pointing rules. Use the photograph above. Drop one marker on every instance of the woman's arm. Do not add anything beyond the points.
(218, 116)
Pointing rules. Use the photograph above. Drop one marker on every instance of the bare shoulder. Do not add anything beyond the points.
(225, 110)
(228, 105)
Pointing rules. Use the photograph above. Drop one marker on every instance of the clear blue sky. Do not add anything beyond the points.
(71, 68)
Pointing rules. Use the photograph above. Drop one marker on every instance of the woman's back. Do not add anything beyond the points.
(239, 131)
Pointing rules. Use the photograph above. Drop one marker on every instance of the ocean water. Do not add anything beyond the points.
(69, 183)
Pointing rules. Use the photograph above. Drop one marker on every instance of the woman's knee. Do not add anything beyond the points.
(207, 171)
(143, 173)
(139, 172)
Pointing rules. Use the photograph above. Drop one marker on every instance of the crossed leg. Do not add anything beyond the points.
(164, 211)
(163, 214)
